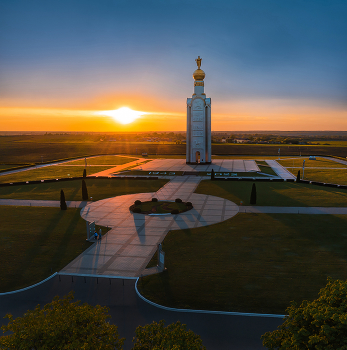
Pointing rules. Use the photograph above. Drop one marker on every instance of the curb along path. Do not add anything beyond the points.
(127, 248)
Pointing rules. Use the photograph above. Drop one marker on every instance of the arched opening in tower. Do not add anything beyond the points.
(197, 157)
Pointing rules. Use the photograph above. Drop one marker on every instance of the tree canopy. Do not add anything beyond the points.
(156, 336)
(62, 324)
(320, 324)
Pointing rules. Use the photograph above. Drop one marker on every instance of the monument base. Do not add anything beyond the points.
(195, 163)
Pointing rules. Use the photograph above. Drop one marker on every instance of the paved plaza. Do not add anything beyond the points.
(218, 165)
(127, 248)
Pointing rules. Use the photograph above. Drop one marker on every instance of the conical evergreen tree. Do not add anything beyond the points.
(63, 205)
(84, 173)
(84, 191)
(212, 175)
(298, 177)
(253, 199)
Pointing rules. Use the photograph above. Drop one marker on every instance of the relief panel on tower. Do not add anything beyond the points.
(198, 116)
(198, 105)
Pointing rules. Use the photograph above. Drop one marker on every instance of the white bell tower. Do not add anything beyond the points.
(198, 122)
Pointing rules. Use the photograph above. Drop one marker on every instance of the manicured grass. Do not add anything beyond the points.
(51, 172)
(104, 160)
(286, 194)
(250, 263)
(36, 242)
(319, 162)
(329, 176)
(97, 188)
(6, 166)
(265, 168)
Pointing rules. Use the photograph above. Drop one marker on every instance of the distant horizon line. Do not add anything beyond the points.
(21, 132)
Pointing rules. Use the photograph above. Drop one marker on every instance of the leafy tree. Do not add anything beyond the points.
(175, 336)
(84, 173)
(212, 175)
(62, 324)
(84, 191)
(298, 177)
(320, 324)
(253, 199)
(63, 205)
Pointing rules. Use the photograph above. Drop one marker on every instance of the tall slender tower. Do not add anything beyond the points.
(198, 122)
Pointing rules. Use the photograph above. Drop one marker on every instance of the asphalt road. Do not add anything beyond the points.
(218, 332)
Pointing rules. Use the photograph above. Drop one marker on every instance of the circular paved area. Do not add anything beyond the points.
(133, 239)
(114, 212)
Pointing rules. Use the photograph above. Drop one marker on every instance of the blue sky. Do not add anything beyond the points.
(282, 58)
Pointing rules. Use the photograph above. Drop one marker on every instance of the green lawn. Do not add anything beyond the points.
(36, 242)
(7, 166)
(319, 162)
(51, 172)
(250, 263)
(104, 160)
(97, 188)
(330, 176)
(275, 194)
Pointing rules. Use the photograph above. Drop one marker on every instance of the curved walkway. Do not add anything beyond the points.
(128, 247)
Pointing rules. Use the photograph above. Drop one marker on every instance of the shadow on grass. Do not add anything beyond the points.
(275, 194)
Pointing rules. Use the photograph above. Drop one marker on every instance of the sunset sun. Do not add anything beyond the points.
(123, 115)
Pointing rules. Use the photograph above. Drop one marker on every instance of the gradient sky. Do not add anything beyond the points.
(269, 64)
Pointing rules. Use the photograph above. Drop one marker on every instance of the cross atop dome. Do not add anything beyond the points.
(198, 62)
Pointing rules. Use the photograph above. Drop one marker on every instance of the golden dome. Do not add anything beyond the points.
(199, 74)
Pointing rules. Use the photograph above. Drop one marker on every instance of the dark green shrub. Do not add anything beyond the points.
(137, 210)
(175, 211)
(154, 199)
(137, 202)
(63, 205)
(189, 204)
(178, 200)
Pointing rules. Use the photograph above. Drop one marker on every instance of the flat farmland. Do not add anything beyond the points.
(34, 149)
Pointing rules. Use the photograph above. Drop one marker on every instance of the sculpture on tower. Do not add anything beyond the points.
(198, 122)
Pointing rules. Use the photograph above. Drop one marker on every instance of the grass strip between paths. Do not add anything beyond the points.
(97, 188)
(285, 194)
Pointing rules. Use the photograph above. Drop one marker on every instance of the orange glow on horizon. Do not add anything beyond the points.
(156, 116)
